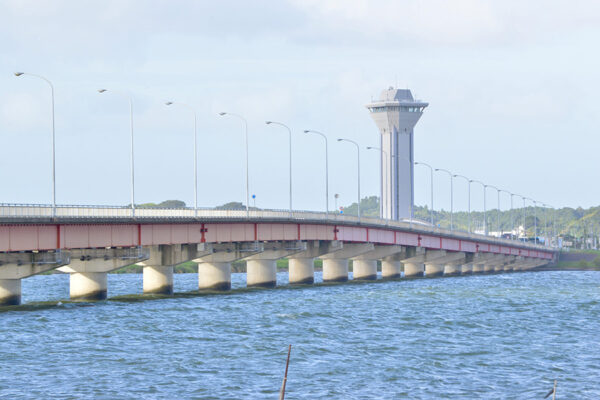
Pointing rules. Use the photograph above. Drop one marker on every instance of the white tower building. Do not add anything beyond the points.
(396, 114)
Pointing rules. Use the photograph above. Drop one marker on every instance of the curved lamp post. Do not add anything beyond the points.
(498, 214)
(326, 169)
(469, 194)
(358, 169)
(290, 136)
(451, 195)
(168, 103)
(431, 181)
(53, 138)
(386, 177)
(485, 230)
(534, 219)
(131, 156)
(247, 173)
(512, 217)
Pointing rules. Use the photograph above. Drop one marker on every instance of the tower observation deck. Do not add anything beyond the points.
(395, 114)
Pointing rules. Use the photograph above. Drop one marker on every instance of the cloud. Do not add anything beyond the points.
(457, 22)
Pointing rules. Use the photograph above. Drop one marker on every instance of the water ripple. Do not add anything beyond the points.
(501, 336)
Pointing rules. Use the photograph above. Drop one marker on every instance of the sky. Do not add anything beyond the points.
(512, 86)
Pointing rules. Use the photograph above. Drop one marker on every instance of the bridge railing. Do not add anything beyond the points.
(24, 212)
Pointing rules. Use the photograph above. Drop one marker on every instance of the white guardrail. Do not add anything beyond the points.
(24, 212)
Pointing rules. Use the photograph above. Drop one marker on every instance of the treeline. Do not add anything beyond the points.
(569, 222)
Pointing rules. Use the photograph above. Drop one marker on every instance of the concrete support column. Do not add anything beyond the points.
(452, 270)
(434, 270)
(365, 270)
(391, 269)
(302, 271)
(335, 262)
(335, 270)
(478, 268)
(16, 266)
(214, 275)
(413, 270)
(89, 267)
(158, 280)
(88, 285)
(455, 266)
(414, 265)
(466, 269)
(261, 268)
(261, 273)
(488, 268)
(10, 292)
(214, 262)
(499, 267)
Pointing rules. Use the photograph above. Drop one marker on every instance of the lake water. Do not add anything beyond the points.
(478, 337)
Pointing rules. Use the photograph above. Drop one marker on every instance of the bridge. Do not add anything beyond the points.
(87, 242)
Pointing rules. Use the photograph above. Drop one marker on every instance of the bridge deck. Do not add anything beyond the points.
(33, 228)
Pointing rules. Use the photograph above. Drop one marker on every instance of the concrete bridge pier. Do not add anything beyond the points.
(527, 263)
(479, 261)
(89, 268)
(456, 267)
(335, 264)
(478, 268)
(10, 292)
(499, 266)
(438, 266)
(16, 266)
(519, 264)
(261, 268)
(414, 267)
(214, 266)
(466, 269)
(302, 265)
(491, 261)
(158, 268)
(391, 266)
(364, 266)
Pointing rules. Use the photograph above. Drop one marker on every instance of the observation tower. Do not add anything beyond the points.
(396, 113)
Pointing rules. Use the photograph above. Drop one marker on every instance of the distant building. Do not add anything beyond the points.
(395, 114)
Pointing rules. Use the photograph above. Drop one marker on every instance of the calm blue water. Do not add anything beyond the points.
(480, 337)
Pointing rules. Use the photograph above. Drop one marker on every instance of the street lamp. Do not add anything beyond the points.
(545, 223)
(485, 229)
(246, 137)
(451, 196)
(326, 169)
(168, 103)
(498, 219)
(358, 169)
(431, 181)
(512, 216)
(469, 201)
(534, 219)
(524, 216)
(554, 235)
(131, 156)
(53, 139)
(290, 136)
(386, 177)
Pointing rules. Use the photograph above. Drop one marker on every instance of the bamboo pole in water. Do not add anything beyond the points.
(287, 363)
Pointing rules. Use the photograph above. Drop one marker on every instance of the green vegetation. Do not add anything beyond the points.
(164, 204)
(570, 223)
